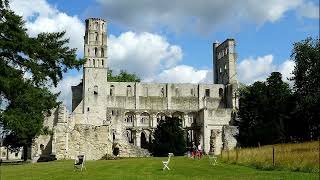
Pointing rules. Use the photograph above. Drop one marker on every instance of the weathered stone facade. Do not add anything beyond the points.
(122, 115)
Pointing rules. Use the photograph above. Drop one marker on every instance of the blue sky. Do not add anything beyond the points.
(171, 40)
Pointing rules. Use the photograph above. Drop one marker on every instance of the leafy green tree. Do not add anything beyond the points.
(306, 55)
(263, 112)
(168, 138)
(123, 76)
(45, 57)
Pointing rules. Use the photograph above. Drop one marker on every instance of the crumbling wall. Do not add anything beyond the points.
(92, 141)
(229, 136)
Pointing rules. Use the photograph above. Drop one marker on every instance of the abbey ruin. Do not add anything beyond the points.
(122, 115)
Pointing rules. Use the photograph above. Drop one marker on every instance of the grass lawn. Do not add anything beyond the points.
(144, 168)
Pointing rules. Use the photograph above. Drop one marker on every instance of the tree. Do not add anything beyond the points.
(306, 55)
(263, 112)
(123, 76)
(44, 58)
(168, 138)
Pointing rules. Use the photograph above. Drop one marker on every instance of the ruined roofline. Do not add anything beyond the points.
(99, 19)
(228, 39)
(164, 83)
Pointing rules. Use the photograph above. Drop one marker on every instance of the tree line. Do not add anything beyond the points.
(273, 112)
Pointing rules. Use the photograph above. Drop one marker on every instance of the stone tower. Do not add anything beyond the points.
(224, 60)
(224, 57)
(95, 71)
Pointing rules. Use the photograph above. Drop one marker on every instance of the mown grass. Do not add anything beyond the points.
(144, 168)
(302, 157)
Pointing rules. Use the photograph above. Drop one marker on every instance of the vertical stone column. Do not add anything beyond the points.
(154, 120)
(168, 93)
(137, 120)
(185, 121)
(138, 138)
(136, 94)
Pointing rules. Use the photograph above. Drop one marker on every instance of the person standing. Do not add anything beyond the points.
(199, 151)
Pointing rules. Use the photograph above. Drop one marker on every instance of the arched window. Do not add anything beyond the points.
(96, 25)
(96, 36)
(144, 118)
(96, 52)
(161, 116)
(162, 92)
(89, 62)
(145, 91)
(207, 92)
(94, 63)
(95, 90)
(112, 90)
(129, 90)
(102, 62)
(102, 52)
(220, 92)
(177, 91)
(192, 92)
(129, 117)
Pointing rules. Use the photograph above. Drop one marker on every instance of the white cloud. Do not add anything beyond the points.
(64, 87)
(40, 16)
(142, 53)
(203, 16)
(251, 70)
(286, 69)
(182, 74)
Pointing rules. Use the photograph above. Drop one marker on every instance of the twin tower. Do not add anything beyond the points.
(95, 68)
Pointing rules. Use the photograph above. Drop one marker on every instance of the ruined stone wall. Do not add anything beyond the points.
(229, 139)
(92, 141)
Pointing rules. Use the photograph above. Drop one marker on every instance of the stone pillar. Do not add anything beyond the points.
(138, 138)
(184, 121)
(168, 93)
(154, 120)
(137, 120)
(136, 94)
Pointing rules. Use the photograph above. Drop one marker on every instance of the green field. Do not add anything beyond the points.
(144, 168)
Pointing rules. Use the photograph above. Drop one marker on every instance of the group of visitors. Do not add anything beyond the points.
(196, 152)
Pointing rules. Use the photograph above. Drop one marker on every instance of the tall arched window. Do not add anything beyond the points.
(177, 91)
(96, 52)
(95, 90)
(96, 35)
(129, 90)
(145, 91)
(102, 52)
(112, 90)
(94, 63)
(96, 25)
(220, 92)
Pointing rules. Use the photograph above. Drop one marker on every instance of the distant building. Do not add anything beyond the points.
(121, 116)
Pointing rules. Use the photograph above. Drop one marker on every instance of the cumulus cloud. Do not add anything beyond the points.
(203, 16)
(142, 53)
(64, 87)
(251, 70)
(182, 74)
(40, 16)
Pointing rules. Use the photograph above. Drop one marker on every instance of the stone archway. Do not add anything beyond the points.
(143, 140)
